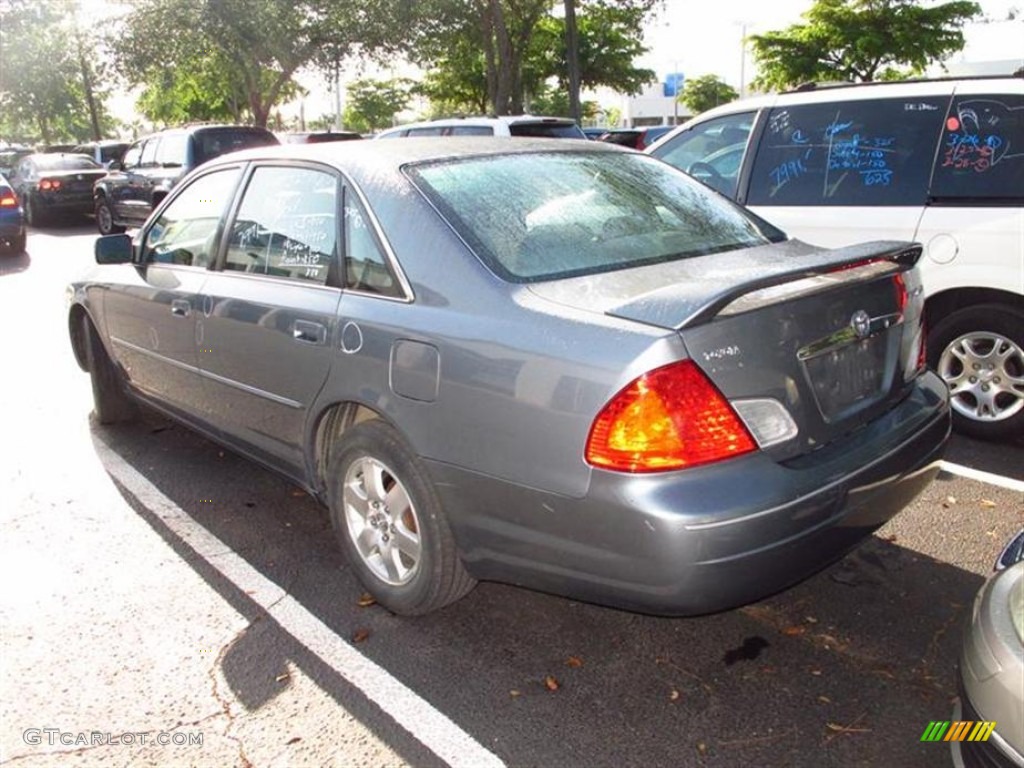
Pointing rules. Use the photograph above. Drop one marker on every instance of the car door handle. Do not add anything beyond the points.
(309, 333)
(181, 308)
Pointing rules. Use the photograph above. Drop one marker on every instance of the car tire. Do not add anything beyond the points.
(388, 520)
(16, 245)
(111, 402)
(979, 353)
(105, 218)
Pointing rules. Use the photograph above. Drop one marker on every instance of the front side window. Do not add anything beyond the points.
(149, 152)
(132, 156)
(981, 156)
(186, 232)
(711, 151)
(287, 225)
(860, 153)
(541, 216)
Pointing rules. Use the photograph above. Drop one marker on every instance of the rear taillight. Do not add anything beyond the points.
(8, 201)
(901, 291)
(669, 418)
(48, 184)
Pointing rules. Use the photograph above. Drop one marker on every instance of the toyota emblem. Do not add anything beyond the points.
(861, 323)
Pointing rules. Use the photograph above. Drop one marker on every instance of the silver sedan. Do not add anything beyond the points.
(557, 364)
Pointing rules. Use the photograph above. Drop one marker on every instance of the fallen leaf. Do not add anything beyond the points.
(810, 620)
(845, 728)
(702, 748)
(514, 693)
(550, 683)
(951, 500)
(366, 600)
(824, 699)
(816, 672)
(574, 661)
(794, 630)
(674, 696)
(281, 678)
(293, 740)
(360, 635)
(987, 503)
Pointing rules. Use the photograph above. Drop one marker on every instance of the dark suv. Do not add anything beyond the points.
(153, 165)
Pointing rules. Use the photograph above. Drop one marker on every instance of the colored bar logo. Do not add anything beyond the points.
(958, 730)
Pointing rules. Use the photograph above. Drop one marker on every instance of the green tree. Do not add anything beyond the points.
(498, 53)
(702, 93)
(372, 104)
(860, 40)
(48, 73)
(241, 56)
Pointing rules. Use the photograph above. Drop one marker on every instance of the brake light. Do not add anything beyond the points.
(48, 184)
(8, 201)
(901, 291)
(669, 418)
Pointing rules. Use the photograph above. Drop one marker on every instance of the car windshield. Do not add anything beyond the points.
(544, 216)
(65, 163)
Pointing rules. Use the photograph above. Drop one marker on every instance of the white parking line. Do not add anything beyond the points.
(410, 711)
(985, 477)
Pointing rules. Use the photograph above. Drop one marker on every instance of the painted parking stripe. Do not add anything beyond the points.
(984, 477)
(409, 710)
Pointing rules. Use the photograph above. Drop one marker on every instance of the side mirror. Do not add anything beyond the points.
(113, 249)
(115, 165)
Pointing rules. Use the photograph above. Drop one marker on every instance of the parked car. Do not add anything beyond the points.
(319, 137)
(520, 126)
(12, 219)
(103, 152)
(679, 409)
(991, 668)
(9, 159)
(52, 185)
(636, 138)
(595, 133)
(934, 161)
(152, 166)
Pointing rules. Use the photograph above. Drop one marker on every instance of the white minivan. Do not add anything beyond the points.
(938, 161)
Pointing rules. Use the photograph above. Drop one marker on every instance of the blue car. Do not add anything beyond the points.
(12, 220)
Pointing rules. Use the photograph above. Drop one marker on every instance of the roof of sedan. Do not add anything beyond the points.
(394, 153)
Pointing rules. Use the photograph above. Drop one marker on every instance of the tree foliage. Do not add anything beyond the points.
(499, 53)
(239, 56)
(372, 104)
(860, 40)
(49, 74)
(702, 93)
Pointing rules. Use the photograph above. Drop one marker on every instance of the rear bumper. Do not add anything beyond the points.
(706, 539)
(77, 202)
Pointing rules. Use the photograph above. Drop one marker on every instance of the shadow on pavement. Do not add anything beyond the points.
(12, 263)
(845, 669)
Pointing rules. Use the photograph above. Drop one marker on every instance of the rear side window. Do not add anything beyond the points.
(982, 151)
(433, 130)
(547, 130)
(862, 153)
(472, 130)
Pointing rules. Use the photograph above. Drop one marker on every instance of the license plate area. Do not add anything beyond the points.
(849, 378)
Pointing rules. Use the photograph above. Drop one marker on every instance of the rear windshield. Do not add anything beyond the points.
(542, 216)
(215, 142)
(547, 130)
(65, 163)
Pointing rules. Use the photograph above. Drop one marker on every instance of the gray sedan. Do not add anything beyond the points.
(557, 364)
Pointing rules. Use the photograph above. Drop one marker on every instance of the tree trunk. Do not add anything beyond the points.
(90, 97)
(505, 73)
(572, 58)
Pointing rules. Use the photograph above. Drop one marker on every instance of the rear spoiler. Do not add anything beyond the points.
(729, 276)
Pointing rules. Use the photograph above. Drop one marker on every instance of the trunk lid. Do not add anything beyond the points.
(832, 335)
(75, 180)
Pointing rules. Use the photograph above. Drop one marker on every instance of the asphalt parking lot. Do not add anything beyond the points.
(155, 584)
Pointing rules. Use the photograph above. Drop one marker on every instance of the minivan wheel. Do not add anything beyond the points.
(979, 352)
(388, 519)
(105, 219)
(111, 402)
